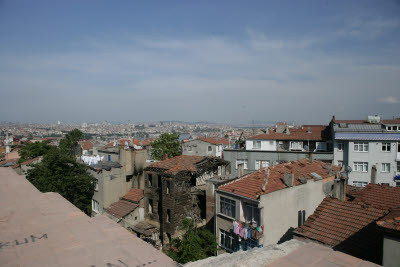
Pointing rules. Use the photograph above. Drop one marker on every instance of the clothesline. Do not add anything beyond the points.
(246, 232)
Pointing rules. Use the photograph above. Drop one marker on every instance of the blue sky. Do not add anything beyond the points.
(221, 61)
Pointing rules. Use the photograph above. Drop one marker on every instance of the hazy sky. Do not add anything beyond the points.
(222, 61)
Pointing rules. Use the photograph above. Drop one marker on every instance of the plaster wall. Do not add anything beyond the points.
(391, 252)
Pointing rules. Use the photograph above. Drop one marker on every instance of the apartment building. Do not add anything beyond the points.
(279, 145)
(210, 147)
(370, 147)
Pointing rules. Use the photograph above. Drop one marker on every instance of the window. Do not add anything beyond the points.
(252, 214)
(256, 144)
(360, 166)
(168, 215)
(227, 240)
(386, 147)
(340, 146)
(150, 179)
(395, 128)
(340, 163)
(397, 184)
(189, 148)
(95, 206)
(385, 167)
(168, 187)
(227, 207)
(249, 244)
(96, 185)
(296, 145)
(360, 184)
(209, 148)
(360, 146)
(261, 164)
(241, 161)
(389, 128)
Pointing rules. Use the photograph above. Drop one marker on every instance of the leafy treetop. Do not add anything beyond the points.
(33, 150)
(167, 143)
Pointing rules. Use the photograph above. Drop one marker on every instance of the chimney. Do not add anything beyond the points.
(241, 169)
(342, 188)
(308, 130)
(165, 156)
(288, 179)
(373, 174)
(265, 179)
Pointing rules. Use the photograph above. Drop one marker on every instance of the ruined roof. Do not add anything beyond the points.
(215, 141)
(250, 185)
(345, 226)
(121, 208)
(44, 229)
(317, 133)
(380, 196)
(134, 195)
(390, 221)
(177, 164)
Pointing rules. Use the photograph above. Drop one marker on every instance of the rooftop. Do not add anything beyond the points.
(379, 196)
(215, 141)
(251, 185)
(317, 133)
(44, 229)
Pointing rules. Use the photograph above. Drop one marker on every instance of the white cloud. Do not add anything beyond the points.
(390, 100)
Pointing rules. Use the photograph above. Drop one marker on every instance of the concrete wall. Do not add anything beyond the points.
(281, 208)
(374, 156)
(274, 157)
(391, 252)
(198, 148)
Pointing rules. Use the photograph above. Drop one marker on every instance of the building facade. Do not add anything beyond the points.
(210, 147)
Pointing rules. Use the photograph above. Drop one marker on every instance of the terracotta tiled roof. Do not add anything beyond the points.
(353, 191)
(345, 226)
(316, 133)
(391, 221)
(177, 164)
(144, 142)
(134, 195)
(87, 145)
(215, 141)
(380, 196)
(121, 208)
(251, 184)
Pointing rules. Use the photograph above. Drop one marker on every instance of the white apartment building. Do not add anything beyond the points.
(370, 147)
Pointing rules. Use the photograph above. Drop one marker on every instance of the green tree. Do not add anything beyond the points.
(70, 140)
(196, 244)
(60, 172)
(168, 143)
(33, 150)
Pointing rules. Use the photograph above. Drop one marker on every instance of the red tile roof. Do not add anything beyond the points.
(345, 226)
(134, 195)
(177, 164)
(317, 133)
(144, 142)
(250, 185)
(380, 196)
(121, 208)
(86, 145)
(391, 221)
(215, 141)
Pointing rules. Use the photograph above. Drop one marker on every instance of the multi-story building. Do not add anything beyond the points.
(370, 147)
(263, 207)
(210, 147)
(177, 188)
(281, 145)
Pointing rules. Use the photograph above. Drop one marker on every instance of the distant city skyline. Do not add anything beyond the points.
(225, 62)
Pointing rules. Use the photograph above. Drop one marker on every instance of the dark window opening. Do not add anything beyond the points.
(168, 189)
(150, 206)
(150, 179)
(159, 181)
(168, 215)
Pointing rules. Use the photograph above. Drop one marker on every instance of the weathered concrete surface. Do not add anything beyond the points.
(44, 229)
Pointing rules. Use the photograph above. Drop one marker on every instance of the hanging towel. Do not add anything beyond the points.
(241, 232)
(245, 233)
(248, 233)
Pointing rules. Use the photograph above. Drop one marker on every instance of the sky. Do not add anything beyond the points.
(218, 61)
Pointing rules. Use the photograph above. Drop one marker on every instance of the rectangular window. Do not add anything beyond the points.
(168, 187)
(95, 206)
(385, 167)
(96, 185)
(397, 184)
(209, 148)
(340, 146)
(386, 147)
(249, 244)
(360, 184)
(256, 144)
(168, 215)
(241, 161)
(296, 145)
(360, 166)
(360, 146)
(227, 207)
(227, 240)
(340, 163)
(150, 206)
(252, 214)
(261, 164)
(389, 128)
(395, 128)
(150, 179)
